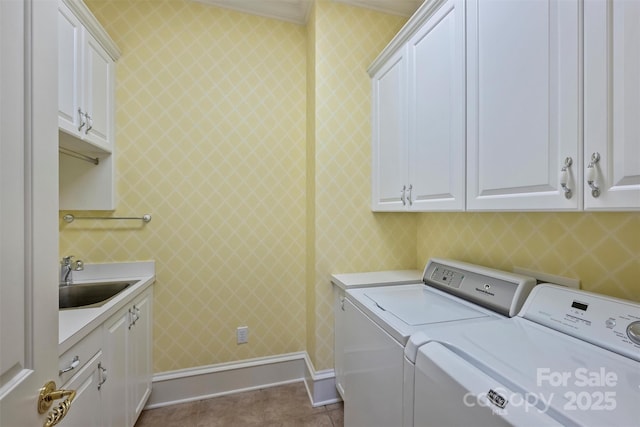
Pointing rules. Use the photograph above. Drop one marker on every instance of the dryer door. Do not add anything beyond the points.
(450, 391)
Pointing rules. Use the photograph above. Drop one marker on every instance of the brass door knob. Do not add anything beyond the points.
(48, 394)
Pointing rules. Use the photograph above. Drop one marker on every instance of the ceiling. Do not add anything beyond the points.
(297, 11)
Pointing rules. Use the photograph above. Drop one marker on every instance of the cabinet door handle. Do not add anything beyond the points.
(402, 194)
(137, 314)
(134, 316)
(410, 196)
(74, 364)
(591, 175)
(564, 177)
(82, 122)
(102, 375)
(89, 123)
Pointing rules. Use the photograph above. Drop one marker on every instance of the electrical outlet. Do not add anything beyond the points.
(242, 334)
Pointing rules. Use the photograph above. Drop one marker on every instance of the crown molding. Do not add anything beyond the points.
(297, 11)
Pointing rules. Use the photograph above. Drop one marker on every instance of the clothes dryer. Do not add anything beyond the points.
(570, 358)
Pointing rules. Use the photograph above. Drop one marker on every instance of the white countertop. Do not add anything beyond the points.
(376, 278)
(76, 323)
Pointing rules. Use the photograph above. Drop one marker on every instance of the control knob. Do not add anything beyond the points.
(633, 332)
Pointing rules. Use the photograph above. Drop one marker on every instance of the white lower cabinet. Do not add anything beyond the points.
(338, 335)
(81, 368)
(116, 331)
(140, 337)
(111, 368)
(86, 408)
(127, 343)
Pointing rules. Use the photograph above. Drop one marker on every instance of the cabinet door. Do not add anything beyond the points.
(86, 410)
(338, 335)
(69, 70)
(389, 135)
(140, 339)
(522, 104)
(117, 356)
(98, 97)
(436, 111)
(128, 346)
(612, 102)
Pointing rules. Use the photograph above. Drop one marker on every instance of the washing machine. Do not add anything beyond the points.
(379, 321)
(569, 358)
(343, 282)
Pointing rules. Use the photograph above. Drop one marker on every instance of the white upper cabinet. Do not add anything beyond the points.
(523, 104)
(418, 114)
(503, 105)
(436, 111)
(99, 95)
(389, 155)
(612, 104)
(86, 110)
(69, 69)
(86, 80)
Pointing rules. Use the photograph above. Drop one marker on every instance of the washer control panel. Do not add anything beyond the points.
(447, 276)
(496, 290)
(607, 322)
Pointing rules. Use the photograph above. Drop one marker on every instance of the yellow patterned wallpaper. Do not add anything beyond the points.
(349, 237)
(310, 282)
(255, 202)
(211, 141)
(248, 139)
(601, 249)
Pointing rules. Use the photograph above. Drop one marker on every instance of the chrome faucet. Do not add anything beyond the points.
(68, 266)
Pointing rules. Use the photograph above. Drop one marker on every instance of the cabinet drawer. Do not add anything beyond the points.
(88, 347)
(87, 408)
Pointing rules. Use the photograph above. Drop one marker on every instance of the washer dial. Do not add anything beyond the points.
(633, 332)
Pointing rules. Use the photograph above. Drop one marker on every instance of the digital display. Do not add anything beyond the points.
(580, 305)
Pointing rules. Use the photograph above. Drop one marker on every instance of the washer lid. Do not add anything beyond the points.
(417, 306)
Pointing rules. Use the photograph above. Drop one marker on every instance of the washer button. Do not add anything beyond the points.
(633, 331)
(610, 323)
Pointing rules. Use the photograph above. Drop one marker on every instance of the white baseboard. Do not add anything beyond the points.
(187, 385)
(321, 385)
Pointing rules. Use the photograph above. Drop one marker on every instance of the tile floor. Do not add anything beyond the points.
(281, 406)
